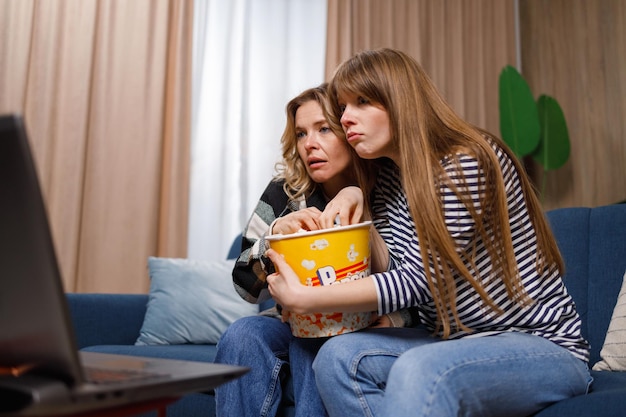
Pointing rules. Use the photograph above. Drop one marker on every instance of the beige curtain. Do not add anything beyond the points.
(103, 86)
(462, 44)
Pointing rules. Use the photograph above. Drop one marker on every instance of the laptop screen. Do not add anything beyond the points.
(35, 331)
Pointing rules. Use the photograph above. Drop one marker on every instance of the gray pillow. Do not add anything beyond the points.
(190, 302)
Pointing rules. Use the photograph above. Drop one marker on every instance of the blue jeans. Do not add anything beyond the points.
(267, 347)
(408, 372)
(302, 353)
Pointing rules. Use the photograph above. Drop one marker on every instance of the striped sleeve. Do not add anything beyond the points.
(551, 315)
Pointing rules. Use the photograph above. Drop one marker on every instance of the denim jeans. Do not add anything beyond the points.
(408, 372)
(262, 344)
(267, 347)
(302, 353)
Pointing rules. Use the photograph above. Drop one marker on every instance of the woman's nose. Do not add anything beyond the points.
(310, 141)
(346, 117)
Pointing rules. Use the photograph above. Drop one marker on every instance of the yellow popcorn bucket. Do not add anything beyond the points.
(327, 257)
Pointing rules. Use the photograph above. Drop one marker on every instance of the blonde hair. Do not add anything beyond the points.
(425, 129)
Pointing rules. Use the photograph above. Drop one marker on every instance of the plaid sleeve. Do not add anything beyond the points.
(251, 267)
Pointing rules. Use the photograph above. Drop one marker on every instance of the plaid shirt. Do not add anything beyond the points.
(251, 268)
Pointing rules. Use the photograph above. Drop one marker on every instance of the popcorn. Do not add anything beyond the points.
(326, 325)
(327, 257)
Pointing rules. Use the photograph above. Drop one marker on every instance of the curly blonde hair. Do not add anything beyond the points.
(291, 168)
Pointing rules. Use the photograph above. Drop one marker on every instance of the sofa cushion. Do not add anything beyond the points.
(593, 246)
(199, 353)
(606, 399)
(571, 230)
(190, 302)
(607, 264)
(96, 318)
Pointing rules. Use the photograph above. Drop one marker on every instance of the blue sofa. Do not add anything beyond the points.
(592, 241)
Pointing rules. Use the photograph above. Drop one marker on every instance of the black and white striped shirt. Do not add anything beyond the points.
(551, 315)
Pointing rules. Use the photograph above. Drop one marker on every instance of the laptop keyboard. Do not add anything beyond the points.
(109, 376)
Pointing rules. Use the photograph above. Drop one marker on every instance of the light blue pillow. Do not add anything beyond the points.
(190, 302)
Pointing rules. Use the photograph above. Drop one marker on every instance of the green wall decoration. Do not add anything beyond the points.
(532, 128)
(519, 120)
(554, 146)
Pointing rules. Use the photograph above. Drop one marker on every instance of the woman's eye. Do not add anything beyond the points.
(342, 108)
(300, 135)
(324, 129)
(363, 100)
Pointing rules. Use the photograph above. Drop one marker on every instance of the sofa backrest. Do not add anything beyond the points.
(593, 244)
(235, 248)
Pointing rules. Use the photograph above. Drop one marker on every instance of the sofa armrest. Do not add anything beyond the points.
(107, 319)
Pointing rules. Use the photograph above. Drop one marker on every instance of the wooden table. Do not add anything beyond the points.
(158, 405)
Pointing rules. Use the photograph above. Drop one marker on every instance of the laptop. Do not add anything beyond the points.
(41, 371)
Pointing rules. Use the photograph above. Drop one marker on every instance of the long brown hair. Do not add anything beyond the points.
(425, 130)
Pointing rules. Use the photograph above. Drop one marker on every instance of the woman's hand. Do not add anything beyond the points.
(381, 321)
(286, 289)
(347, 205)
(284, 315)
(284, 286)
(305, 219)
